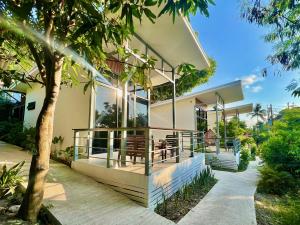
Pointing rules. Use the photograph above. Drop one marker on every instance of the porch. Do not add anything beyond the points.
(145, 164)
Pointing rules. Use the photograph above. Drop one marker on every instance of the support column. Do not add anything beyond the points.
(149, 107)
(76, 143)
(174, 100)
(148, 152)
(225, 128)
(217, 127)
(92, 110)
(110, 148)
(124, 122)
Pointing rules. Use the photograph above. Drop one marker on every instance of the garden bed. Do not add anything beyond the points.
(180, 203)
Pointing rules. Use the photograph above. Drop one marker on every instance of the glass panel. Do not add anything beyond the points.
(106, 108)
(141, 112)
(130, 118)
(201, 117)
(141, 92)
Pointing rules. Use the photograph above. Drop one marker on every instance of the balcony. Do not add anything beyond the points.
(145, 164)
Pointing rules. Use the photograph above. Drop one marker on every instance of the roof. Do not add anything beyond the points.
(230, 92)
(241, 109)
(176, 42)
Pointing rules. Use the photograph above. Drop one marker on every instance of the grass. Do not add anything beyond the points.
(180, 203)
(277, 210)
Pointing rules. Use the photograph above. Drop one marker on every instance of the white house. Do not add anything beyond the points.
(115, 131)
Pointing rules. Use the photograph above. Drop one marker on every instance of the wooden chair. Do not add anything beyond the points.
(171, 143)
(135, 147)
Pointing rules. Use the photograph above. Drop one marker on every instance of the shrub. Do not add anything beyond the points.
(273, 181)
(10, 178)
(14, 133)
(244, 159)
(177, 205)
(282, 152)
(253, 152)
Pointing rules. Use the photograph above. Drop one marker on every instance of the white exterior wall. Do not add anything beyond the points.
(211, 120)
(161, 116)
(72, 111)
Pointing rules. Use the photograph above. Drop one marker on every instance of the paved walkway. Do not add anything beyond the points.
(78, 200)
(229, 202)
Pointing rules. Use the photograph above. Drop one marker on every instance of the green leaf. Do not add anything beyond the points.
(150, 2)
(149, 15)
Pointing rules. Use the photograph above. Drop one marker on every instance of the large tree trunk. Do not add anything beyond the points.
(39, 167)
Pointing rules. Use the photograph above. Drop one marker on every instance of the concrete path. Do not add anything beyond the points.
(77, 199)
(229, 202)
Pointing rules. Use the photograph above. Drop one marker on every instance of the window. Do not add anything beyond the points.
(201, 119)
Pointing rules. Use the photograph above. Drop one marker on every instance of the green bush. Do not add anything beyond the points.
(253, 152)
(14, 133)
(10, 178)
(245, 157)
(282, 151)
(275, 182)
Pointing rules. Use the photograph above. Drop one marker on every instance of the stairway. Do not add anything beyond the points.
(222, 161)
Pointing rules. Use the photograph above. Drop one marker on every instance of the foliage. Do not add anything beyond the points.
(274, 181)
(282, 17)
(278, 210)
(176, 206)
(245, 157)
(258, 112)
(281, 150)
(189, 78)
(57, 140)
(261, 134)
(14, 133)
(253, 151)
(10, 178)
(234, 128)
(86, 28)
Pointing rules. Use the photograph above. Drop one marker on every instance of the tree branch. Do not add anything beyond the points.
(37, 60)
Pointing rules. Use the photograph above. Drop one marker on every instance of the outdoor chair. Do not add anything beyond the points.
(171, 143)
(135, 147)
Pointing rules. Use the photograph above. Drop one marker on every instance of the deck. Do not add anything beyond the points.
(166, 178)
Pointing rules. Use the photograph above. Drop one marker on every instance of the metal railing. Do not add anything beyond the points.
(228, 143)
(121, 147)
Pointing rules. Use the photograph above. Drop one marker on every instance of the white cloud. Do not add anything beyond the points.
(251, 79)
(256, 89)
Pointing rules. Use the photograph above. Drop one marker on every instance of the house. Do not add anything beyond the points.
(110, 127)
(198, 111)
(203, 111)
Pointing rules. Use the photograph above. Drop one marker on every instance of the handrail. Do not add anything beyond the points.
(137, 142)
(134, 128)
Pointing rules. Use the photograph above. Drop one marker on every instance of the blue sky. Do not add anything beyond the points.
(240, 52)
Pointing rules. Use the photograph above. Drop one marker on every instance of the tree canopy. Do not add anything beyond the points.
(283, 19)
(189, 78)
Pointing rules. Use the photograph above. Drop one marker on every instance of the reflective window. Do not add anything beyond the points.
(107, 107)
(201, 119)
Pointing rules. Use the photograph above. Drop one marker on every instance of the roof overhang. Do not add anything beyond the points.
(230, 92)
(241, 109)
(175, 42)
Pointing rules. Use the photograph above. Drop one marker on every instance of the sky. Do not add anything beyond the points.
(240, 52)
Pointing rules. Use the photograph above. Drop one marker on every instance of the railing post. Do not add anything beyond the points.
(76, 143)
(177, 147)
(148, 151)
(203, 142)
(123, 147)
(192, 144)
(110, 148)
